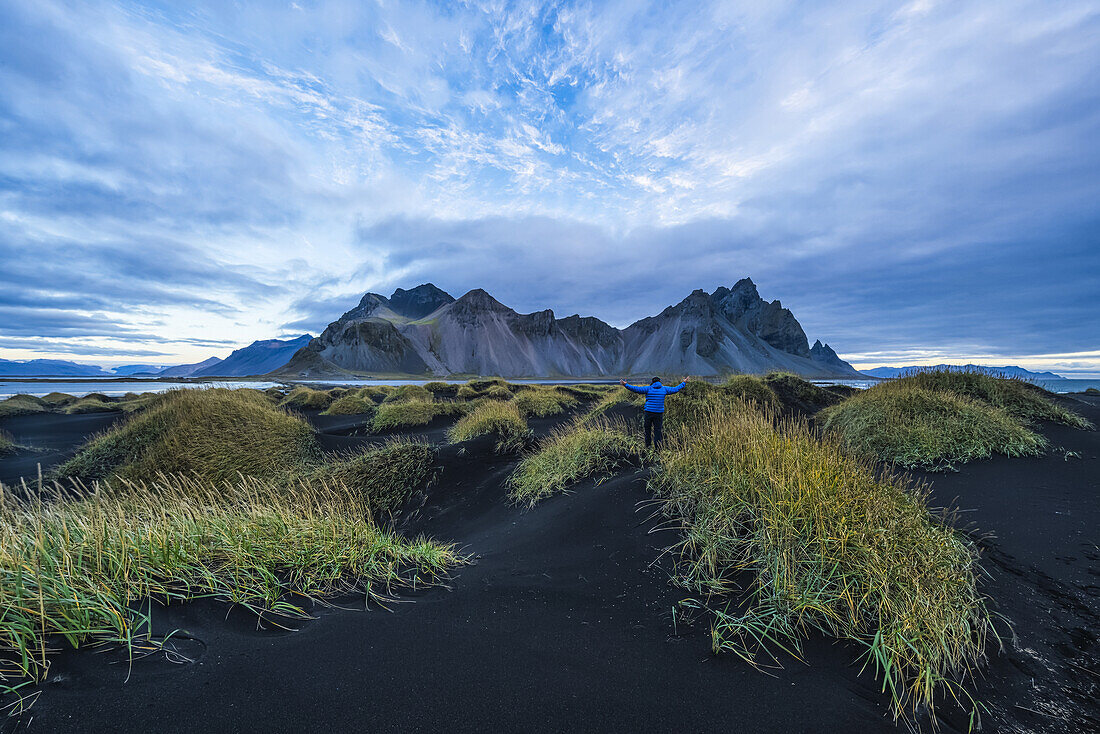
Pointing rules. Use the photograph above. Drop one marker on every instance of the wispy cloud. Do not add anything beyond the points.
(903, 176)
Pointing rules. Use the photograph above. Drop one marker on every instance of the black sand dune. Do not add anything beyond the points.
(565, 622)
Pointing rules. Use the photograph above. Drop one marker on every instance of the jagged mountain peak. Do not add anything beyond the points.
(479, 300)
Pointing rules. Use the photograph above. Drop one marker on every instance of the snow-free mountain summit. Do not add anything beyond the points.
(426, 331)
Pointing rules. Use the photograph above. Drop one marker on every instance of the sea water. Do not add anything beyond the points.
(112, 388)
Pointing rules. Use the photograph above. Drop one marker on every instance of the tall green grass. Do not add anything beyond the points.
(585, 449)
(214, 433)
(832, 545)
(77, 566)
(920, 428)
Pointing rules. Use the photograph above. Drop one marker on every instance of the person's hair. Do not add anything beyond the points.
(655, 379)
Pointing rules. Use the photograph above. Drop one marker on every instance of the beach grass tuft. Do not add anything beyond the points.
(80, 564)
(833, 545)
(587, 448)
(215, 433)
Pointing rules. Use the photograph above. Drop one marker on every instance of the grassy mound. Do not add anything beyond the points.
(58, 399)
(491, 417)
(92, 405)
(484, 384)
(498, 392)
(409, 393)
(215, 433)
(918, 428)
(23, 405)
(1016, 397)
(407, 414)
(543, 402)
(833, 546)
(350, 404)
(7, 445)
(375, 393)
(441, 389)
(381, 477)
(465, 392)
(795, 393)
(1092, 391)
(585, 449)
(306, 398)
(79, 568)
(747, 387)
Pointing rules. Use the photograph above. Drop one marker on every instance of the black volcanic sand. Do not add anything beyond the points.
(564, 622)
(48, 439)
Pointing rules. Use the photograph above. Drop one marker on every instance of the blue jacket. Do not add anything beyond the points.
(655, 395)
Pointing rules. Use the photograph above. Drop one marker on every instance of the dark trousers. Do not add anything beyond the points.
(654, 423)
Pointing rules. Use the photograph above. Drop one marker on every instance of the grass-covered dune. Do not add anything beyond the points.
(934, 420)
(23, 405)
(833, 545)
(492, 417)
(213, 433)
(76, 567)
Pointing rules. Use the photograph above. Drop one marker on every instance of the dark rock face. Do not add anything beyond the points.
(776, 325)
(730, 330)
(420, 301)
(824, 354)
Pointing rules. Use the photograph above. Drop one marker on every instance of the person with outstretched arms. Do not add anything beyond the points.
(654, 407)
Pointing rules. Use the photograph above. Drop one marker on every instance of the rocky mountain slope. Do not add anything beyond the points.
(425, 331)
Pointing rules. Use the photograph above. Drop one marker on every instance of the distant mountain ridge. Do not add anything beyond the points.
(1009, 371)
(426, 331)
(257, 358)
(49, 368)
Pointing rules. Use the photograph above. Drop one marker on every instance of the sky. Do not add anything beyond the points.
(918, 182)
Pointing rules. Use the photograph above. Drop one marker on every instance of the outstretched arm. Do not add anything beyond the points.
(631, 388)
(679, 387)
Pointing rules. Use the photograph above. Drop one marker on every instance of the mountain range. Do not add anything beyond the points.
(889, 372)
(426, 331)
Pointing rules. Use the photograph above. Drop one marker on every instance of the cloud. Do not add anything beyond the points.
(921, 176)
